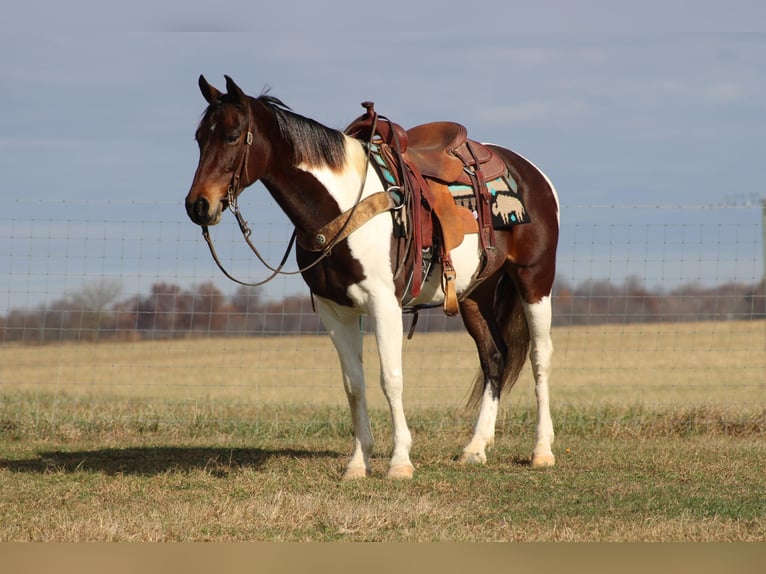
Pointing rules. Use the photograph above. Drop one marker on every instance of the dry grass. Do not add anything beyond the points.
(660, 436)
(722, 363)
(150, 475)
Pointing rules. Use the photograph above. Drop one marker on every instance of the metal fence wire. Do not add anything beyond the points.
(673, 295)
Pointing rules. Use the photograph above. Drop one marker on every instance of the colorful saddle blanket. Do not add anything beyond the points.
(506, 205)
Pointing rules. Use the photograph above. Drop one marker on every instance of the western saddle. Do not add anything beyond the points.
(425, 160)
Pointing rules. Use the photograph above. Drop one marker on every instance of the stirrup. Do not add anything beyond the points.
(448, 285)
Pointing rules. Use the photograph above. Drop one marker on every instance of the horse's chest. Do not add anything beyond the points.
(332, 277)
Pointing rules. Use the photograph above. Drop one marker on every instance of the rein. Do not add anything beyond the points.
(348, 224)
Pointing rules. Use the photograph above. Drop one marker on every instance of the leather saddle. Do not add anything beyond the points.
(430, 158)
(442, 151)
(443, 154)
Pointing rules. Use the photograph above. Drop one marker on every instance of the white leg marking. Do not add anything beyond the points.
(539, 319)
(484, 432)
(343, 327)
(387, 320)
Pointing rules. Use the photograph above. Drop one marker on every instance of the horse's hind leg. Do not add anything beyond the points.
(343, 327)
(541, 353)
(484, 431)
(479, 321)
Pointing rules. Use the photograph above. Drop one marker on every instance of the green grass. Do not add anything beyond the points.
(75, 468)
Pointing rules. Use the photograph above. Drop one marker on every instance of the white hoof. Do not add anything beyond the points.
(469, 457)
(352, 473)
(401, 472)
(543, 460)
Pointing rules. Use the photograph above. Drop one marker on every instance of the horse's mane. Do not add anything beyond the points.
(314, 144)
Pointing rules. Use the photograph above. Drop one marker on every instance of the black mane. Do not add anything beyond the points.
(314, 143)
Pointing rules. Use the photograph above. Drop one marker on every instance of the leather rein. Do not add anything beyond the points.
(345, 223)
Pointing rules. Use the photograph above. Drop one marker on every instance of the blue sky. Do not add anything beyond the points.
(651, 103)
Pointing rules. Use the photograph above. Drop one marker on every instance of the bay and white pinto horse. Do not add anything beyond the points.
(316, 174)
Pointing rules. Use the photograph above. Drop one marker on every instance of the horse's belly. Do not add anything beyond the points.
(465, 259)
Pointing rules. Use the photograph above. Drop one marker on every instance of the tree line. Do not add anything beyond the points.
(98, 312)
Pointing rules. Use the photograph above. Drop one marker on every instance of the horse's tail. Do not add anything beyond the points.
(512, 320)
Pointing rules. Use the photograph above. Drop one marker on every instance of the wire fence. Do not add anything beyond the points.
(660, 303)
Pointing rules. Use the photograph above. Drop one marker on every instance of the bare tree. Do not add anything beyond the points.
(90, 309)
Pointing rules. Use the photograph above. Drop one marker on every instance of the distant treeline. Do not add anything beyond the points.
(98, 312)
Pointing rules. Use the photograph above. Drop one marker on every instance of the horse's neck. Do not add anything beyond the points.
(312, 195)
(351, 183)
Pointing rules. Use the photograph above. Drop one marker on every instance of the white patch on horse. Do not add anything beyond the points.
(484, 431)
(371, 244)
(541, 353)
(343, 184)
(465, 260)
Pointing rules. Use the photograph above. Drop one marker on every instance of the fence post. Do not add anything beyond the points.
(763, 256)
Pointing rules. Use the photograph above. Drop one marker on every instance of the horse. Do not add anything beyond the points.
(316, 174)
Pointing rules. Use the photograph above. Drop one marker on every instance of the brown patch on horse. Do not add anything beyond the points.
(531, 248)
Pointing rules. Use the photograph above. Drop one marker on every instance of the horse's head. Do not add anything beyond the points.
(229, 159)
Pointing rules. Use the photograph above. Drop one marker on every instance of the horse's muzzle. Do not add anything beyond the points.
(200, 212)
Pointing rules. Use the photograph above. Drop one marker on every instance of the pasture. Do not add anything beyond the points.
(660, 436)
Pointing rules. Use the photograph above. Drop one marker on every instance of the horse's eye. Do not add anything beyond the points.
(231, 138)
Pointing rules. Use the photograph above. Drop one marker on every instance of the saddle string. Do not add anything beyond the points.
(407, 199)
(402, 188)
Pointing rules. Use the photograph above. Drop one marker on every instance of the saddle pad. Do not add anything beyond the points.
(505, 202)
(381, 165)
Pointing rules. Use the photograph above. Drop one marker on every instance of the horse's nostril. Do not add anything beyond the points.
(199, 211)
(202, 208)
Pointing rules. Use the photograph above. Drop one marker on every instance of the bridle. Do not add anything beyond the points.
(231, 199)
(232, 194)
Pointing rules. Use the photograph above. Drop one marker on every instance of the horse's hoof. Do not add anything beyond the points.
(472, 458)
(543, 460)
(355, 473)
(401, 472)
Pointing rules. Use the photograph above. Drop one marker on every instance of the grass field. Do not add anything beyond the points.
(723, 363)
(661, 435)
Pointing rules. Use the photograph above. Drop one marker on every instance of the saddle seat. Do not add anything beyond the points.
(429, 147)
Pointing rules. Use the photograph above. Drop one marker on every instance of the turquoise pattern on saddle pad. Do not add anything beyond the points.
(382, 166)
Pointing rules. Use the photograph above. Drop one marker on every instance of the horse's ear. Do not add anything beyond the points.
(208, 92)
(235, 90)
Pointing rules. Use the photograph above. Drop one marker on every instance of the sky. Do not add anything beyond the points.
(647, 116)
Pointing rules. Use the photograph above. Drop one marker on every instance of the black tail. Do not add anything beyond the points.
(513, 325)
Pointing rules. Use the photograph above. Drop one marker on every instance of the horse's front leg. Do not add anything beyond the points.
(342, 324)
(387, 318)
